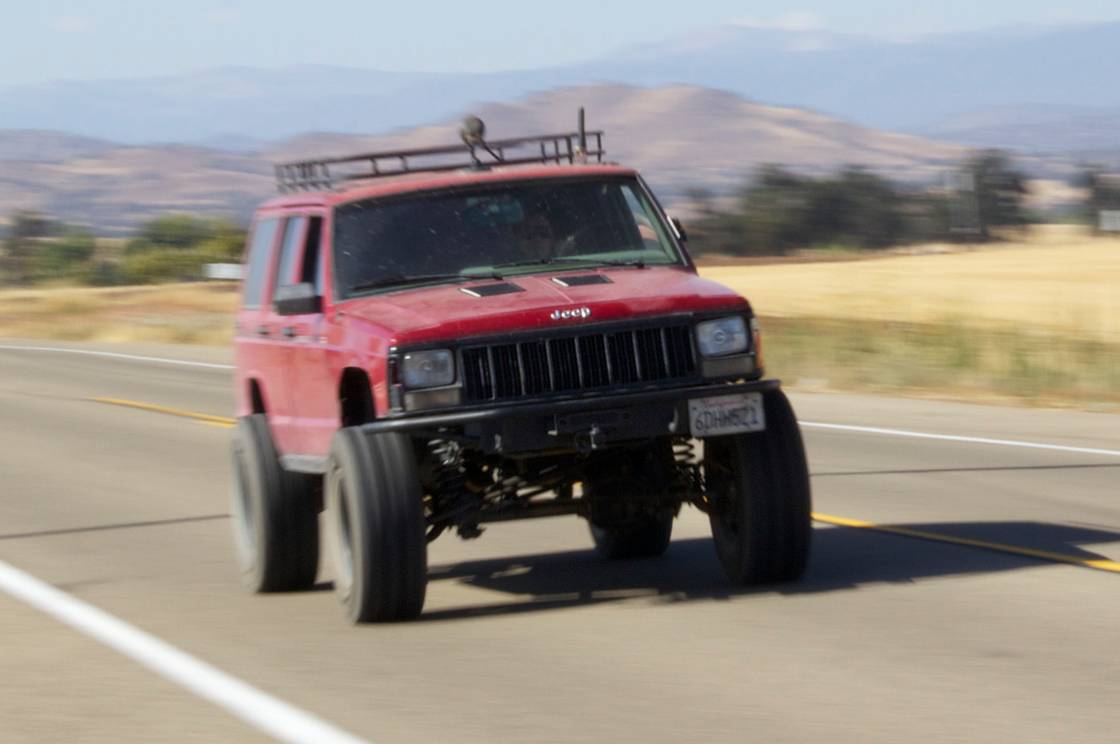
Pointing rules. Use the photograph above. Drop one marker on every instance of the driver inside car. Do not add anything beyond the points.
(534, 237)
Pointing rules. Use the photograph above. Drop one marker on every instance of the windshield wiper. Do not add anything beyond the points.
(550, 260)
(400, 280)
(638, 263)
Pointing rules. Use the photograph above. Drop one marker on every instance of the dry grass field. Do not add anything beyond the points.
(1035, 321)
(169, 313)
(1057, 280)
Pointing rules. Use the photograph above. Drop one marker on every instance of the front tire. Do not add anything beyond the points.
(275, 514)
(760, 503)
(377, 526)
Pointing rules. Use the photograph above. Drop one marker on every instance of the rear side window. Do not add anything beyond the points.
(260, 256)
(289, 250)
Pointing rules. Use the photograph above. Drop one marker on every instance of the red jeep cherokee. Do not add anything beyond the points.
(430, 340)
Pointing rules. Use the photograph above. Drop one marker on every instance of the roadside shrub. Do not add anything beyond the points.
(65, 256)
(180, 231)
(163, 266)
(103, 274)
(779, 212)
(176, 247)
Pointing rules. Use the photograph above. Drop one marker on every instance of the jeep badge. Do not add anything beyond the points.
(571, 313)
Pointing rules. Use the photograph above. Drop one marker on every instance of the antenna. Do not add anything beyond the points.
(581, 138)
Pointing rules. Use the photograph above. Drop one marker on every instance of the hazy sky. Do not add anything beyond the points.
(52, 39)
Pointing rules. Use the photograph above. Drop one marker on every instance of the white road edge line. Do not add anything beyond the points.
(259, 709)
(954, 438)
(115, 355)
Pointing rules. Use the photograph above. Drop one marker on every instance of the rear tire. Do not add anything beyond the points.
(275, 514)
(377, 526)
(758, 486)
(630, 517)
(647, 537)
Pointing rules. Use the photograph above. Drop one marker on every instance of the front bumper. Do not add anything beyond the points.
(581, 424)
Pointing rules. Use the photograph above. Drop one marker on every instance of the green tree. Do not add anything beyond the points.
(226, 241)
(999, 191)
(172, 231)
(702, 200)
(65, 254)
(175, 248)
(1103, 193)
(26, 231)
(780, 211)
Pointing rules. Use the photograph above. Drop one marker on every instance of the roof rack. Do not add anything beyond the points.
(570, 148)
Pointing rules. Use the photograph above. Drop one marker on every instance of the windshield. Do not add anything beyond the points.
(519, 228)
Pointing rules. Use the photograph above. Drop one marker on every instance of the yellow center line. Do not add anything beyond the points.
(206, 418)
(1100, 564)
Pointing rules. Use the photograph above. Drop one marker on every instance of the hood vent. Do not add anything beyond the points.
(582, 280)
(491, 290)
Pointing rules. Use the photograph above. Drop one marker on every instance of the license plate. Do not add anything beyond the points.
(726, 414)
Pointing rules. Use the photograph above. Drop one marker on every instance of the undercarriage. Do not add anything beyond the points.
(465, 489)
(625, 463)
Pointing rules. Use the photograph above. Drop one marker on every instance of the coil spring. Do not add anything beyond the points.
(688, 473)
(684, 452)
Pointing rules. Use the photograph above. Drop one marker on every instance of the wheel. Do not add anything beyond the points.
(758, 490)
(629, 519)
(646, 537)
(377, 526)
(275, 514)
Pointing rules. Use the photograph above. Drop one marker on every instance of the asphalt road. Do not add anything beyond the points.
(527, 637)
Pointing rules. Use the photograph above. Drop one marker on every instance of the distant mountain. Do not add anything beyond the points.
(1037, 128)
(115, 187)
(679, 136)
(907, 85)
(233, 143)
(230, 103)
(48, 147)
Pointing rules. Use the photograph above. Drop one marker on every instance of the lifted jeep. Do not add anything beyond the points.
(431, 340)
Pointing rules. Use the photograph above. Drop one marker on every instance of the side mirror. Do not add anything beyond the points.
(678, 228)
(297, 299)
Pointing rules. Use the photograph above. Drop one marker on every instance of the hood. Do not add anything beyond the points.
(447, 312)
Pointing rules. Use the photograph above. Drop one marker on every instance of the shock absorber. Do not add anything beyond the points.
(448, 475)
(448, 484)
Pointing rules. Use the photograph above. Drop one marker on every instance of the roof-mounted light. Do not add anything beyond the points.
(473, 131)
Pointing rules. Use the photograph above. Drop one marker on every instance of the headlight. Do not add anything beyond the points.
(722, 337)
(424, 369)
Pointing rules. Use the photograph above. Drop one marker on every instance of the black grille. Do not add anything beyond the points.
(573, 363)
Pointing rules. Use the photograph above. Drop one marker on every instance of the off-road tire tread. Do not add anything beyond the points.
(776, 509)
(287, 515)
(387, 524)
